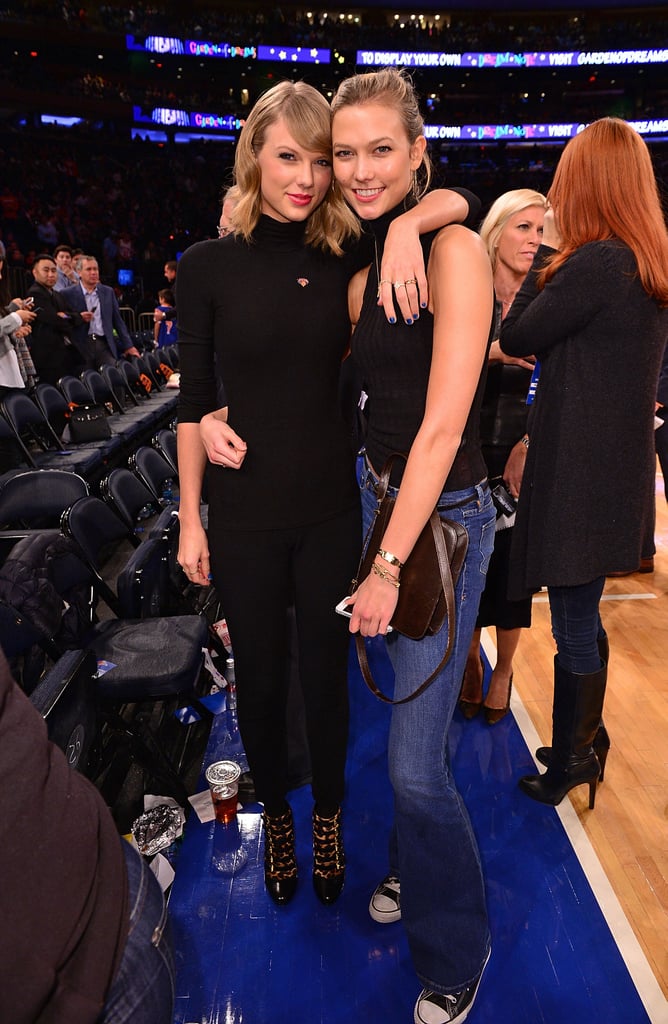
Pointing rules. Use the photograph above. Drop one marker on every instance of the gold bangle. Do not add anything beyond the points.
(385, 575)
(387, 556)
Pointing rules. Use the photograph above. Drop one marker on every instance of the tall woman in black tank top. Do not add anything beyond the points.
(265, 309)
(424, 378)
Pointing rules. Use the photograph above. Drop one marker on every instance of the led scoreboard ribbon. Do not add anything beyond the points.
(545, 59)
(398, 58)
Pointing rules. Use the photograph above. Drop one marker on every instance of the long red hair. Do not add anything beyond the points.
(604, 187)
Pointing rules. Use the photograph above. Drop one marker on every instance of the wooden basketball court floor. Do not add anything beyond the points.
(578, 899)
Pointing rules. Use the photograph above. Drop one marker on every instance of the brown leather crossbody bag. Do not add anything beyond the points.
(428, 580)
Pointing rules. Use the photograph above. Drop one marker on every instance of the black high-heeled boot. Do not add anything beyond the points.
(280, 862)
(601, 742)
(329, 860)
(601, 745)
(576, 716)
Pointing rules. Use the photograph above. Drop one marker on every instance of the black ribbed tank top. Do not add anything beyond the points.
(394, 362)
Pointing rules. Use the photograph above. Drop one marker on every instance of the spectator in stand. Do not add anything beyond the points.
(16, 317)
(165, 319)
(164, 313)
(9, 206)
(66, 275)
(15, 256)
(53, 352)
(16, 367)
(47, 232)
(105, 337)
(170, 272)
(126, 250)
(110, 255)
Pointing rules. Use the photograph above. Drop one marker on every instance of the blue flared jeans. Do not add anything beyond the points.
(433, 850)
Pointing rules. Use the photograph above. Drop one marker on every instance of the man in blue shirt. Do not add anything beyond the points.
(106, 338)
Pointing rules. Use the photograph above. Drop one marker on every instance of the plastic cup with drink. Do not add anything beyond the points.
(223, 780)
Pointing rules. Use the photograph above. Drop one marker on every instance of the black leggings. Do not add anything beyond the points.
(259, 575)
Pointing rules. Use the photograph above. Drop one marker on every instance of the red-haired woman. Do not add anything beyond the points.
(593, 310)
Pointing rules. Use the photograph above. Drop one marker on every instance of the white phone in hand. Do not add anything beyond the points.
(342, 608)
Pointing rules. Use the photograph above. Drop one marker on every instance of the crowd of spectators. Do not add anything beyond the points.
(132, 204)
(118, 82)
(462, 98)
(458, 30)
(136, 204)
(497, 99)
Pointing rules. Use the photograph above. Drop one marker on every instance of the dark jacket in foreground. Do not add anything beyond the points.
(62, 877)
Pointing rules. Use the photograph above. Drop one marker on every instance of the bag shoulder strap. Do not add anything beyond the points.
(448, 590)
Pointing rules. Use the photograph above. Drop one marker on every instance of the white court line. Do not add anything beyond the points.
(630, 949)
(543, 599)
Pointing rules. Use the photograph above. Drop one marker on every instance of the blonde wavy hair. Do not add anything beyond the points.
(500, 212)
(306, 114)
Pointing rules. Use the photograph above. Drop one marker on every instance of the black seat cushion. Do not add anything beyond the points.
(152, 658)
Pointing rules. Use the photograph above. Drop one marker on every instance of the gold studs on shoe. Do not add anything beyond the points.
(280, 862)
(328, 857)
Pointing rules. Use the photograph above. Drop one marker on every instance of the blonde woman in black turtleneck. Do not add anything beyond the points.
(265, 309)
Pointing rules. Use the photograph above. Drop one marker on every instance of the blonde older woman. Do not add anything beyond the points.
(512, 232)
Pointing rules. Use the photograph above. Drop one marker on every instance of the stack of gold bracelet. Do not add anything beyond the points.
(385, 575)
(387, 556)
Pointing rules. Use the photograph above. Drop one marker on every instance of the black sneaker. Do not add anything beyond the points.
(385, 904)
(433, 1008)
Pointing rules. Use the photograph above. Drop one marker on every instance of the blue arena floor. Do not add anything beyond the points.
(242, 960)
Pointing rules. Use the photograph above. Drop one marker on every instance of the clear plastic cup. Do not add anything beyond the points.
(223, 780)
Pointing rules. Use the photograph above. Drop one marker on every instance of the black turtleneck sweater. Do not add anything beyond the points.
(271, 319)
(394, 361)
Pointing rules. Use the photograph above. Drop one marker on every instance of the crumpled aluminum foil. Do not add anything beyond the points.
(157, 828)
